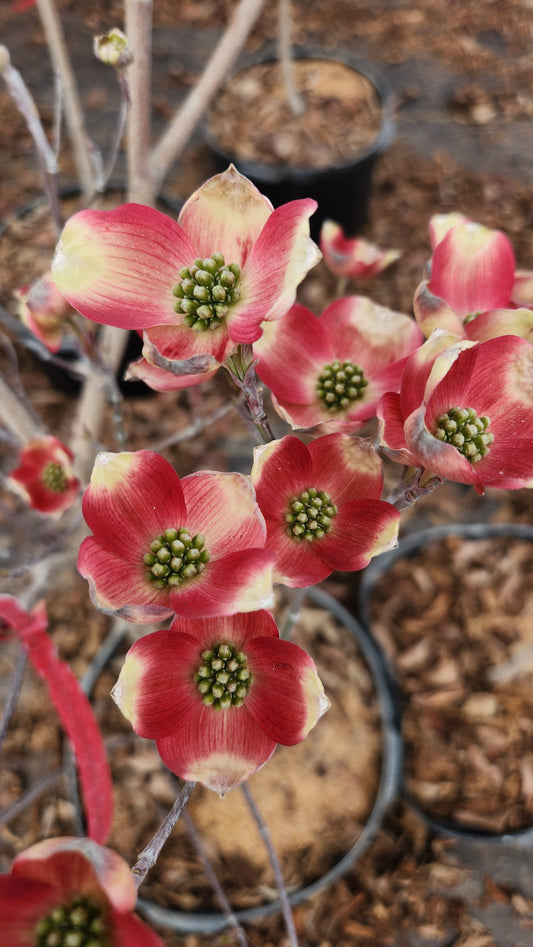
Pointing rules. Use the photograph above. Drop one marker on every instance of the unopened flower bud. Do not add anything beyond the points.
(112, 48)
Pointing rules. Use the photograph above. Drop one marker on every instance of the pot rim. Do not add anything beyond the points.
(273, 173)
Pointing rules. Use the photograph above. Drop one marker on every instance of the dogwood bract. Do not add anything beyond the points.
(330, 371)
(161, 545)
(321, 505)
(71, 891)
(197, 287)
(465, 411)
(217, 695)
(473, 290)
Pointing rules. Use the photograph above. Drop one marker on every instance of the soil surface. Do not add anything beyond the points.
(455, 622)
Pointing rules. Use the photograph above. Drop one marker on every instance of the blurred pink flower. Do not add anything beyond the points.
(44, 476)
(71, 891)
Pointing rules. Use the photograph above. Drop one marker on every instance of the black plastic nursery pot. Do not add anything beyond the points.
(349, 106)
(478, 716)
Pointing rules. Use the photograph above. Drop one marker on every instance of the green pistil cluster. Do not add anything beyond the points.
(223, 677)
(340, 384)
(78, 924)
(54, 477)
(462, 428)
(206, 291)
(310, 515)
(175, 557)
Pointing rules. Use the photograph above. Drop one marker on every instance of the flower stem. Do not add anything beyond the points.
(241, 369)
(213, 880)
(276, 868)
(150, 854)
(176, 136)
(408, 492)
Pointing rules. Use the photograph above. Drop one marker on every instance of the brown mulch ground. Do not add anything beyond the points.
(455, 621)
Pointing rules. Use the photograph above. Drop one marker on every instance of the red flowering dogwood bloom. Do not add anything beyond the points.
(217, 695)
(73, 708)
(45, 311)
(197, 287)
(330, 372)
(473, 290)
(465, 411)
(71, 891)
(321, 505)
(161, 545)
(44, 476)
(352, 257)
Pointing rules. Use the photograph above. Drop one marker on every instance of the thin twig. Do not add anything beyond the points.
(138, 28)
(174, 139)
(96, 395)
(14, 691)
(73, 111)
(276, 868)
(24, 101)
(16, 415)
(213, 880)
(294, 99)
(31, 795)
(150, 854)
(119, 131)
(192, 430)
(293, 612)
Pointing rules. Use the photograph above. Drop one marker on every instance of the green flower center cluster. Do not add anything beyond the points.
(175, 557)
(78, 924)
(310, 515)
(223, 677)
(340, 384)
(206, 291)
(462, 428)
(54, 477)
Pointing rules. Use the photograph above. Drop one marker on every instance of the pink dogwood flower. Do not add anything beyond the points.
(330, 372)
(44, 475)
(161, 545)
(71, 891)
(473, 290)
(465, 411)
(322, 506)
(353, 257)
(217, 695)
(198, 287)
(45, 311)
(72, 706)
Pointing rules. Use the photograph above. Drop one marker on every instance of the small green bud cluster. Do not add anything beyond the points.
(464, 430)
(176, 556)
(310, 515)
(340, 384)
(78, 924)
(54, 477)
(223, 677)
(206, 291)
